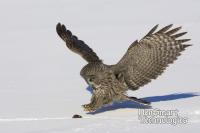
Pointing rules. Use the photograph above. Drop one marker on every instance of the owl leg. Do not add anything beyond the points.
(135, 99)
(140, 101)
(96, 102)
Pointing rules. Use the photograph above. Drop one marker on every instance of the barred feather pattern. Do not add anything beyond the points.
(147, 59)
(144, 60)
(76, 45)
(106, 89)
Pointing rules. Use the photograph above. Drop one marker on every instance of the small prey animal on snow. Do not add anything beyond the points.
(144, 60)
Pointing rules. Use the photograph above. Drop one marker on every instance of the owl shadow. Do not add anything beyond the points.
(152, 99)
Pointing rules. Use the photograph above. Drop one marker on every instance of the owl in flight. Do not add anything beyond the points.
(144, 60)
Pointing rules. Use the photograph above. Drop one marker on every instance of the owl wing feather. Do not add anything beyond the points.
(148, 58)
(76, 45)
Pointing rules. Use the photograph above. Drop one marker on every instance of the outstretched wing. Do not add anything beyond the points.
(148, 58)
(76, 45)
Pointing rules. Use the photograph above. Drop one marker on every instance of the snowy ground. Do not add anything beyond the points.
(40, 86)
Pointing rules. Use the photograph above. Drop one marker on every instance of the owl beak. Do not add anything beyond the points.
(94, 86)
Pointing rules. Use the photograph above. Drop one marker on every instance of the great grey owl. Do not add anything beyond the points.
(144, 60)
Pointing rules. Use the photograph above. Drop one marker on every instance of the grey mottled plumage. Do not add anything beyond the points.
(144, 60)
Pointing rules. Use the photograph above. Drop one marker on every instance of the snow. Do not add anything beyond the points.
(40, 85)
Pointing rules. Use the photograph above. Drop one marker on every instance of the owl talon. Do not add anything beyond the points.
(88, 108)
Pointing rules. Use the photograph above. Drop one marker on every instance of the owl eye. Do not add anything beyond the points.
(90, 80)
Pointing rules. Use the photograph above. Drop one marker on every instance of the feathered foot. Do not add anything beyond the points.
(88, 107)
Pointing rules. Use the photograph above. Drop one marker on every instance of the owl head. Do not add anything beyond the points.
(93, 72)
